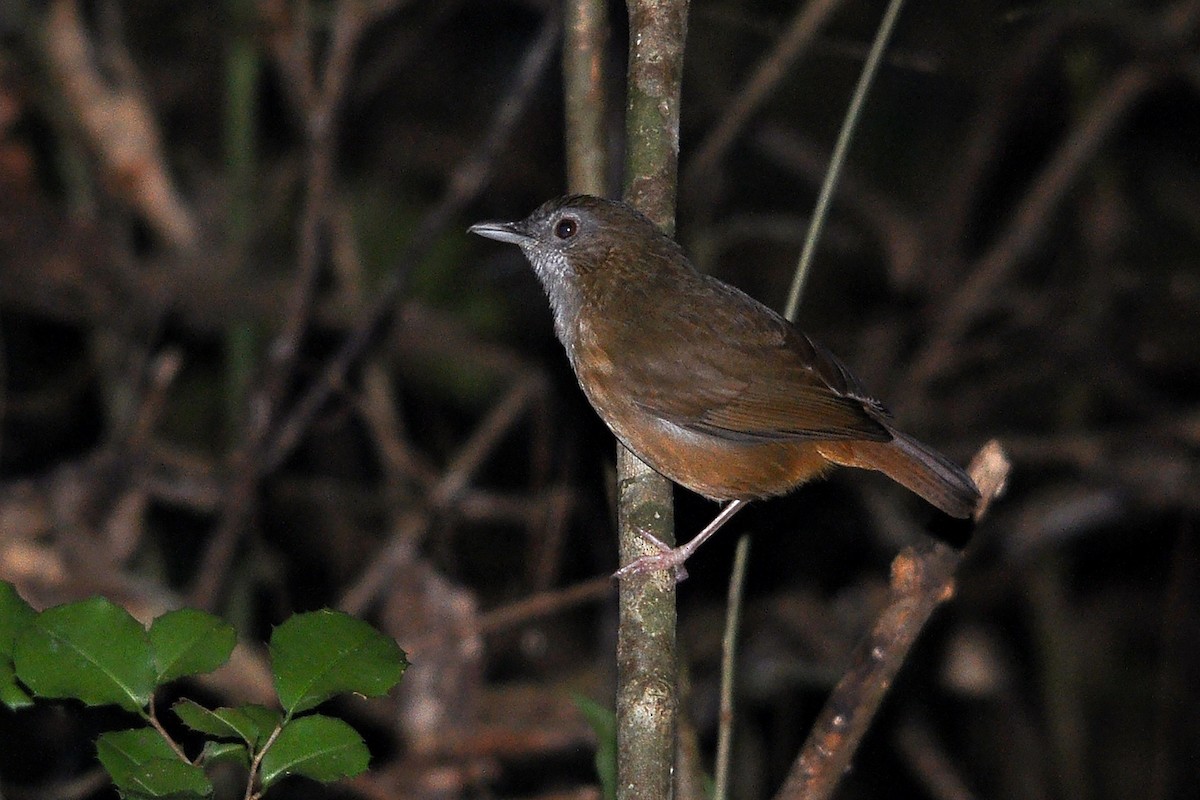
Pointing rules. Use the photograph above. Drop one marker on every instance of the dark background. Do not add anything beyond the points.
(1012, 255)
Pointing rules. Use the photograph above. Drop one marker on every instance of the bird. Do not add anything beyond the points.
(708, 386)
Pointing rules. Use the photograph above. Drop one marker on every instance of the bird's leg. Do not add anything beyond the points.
(673, 558)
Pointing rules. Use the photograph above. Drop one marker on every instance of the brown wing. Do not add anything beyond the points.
(750, 376)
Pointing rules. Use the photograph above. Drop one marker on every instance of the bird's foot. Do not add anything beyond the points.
(667, 558)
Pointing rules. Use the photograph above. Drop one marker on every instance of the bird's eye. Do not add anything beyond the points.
(566, 228)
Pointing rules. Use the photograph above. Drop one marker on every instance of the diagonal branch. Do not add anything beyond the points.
(922, 579)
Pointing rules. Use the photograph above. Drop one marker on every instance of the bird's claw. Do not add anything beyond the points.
(667, 558)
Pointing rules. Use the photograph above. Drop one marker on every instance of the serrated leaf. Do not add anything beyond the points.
(15, 614)
(318, 747)
(201, 719)
(251, 724)
(92, 650)
(11, 692)
(168, 780)
(142, 765)
(133, 746)
(322, 653)
(189, 642)
(225, 753)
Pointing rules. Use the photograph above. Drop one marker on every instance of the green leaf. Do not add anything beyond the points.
(318, 747)
(142, 765)
(604, 722)
(247, 723)
(91, 650)
(265, 720)
(225, 753)
(190, 642)
(15, 614)
(214, 723)
(322, 653)
(11, 692)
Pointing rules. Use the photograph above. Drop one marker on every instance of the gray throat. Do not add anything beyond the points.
(562, 290)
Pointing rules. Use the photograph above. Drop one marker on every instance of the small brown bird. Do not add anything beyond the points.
(705, 384)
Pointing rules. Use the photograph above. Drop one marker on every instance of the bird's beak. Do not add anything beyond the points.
(512, 232)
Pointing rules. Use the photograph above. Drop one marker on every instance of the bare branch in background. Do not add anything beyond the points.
(119, 126)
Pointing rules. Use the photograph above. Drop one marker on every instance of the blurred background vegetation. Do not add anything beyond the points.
(250, 361)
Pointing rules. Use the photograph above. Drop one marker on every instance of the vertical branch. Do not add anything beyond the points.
(656, 33)
(585, 40)
(733, 621)
(242, 66)
(646, 668)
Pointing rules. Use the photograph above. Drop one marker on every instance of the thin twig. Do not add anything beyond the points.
(152, 717)
(349, 24)
(1030, 222)
(942, 781)
(894, 226)
(801, 32)
(412, 527)
(465, 183)
(256, 764)
(261, 454)
(545, 604)
(1005, 91)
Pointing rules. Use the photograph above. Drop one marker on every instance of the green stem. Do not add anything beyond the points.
(733, 615)
(150, 716)
(256, 764)
(242, 66)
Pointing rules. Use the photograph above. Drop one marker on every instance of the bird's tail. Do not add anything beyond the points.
(914, 466)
